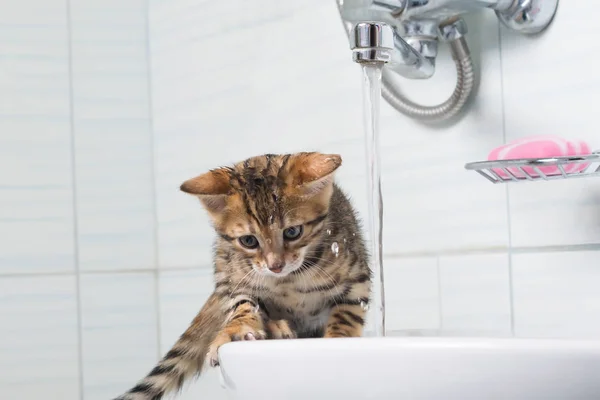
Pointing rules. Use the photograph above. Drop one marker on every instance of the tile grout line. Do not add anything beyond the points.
(507, 191)
(439, 283)
(105, 272)
(496, 250)
(157, 304)
(575, 248)
(154, 186)
(75, 202)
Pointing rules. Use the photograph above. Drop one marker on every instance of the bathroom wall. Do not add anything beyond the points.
(108, 105)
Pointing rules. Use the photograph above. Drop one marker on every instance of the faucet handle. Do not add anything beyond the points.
(529, 16)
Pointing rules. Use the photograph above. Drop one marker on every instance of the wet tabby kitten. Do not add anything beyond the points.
(289, 262)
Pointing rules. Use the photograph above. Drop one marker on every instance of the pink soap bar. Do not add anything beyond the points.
(540, 147)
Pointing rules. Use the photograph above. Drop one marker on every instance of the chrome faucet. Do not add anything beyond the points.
(406, 34)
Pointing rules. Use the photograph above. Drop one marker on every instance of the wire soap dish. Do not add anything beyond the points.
(537, 169)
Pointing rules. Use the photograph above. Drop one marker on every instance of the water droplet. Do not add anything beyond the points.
(344, 240)
(364, 305)
(354, 234)
(329, 231)
(270, 219)
(335, 248)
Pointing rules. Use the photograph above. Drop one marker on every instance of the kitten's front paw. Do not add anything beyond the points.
(280, 330)
(232, 334)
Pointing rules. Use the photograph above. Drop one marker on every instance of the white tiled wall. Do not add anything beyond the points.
(36, 197)
(112, 140)
(433, 204)
(118, 328)
(108, 105)
(39, 348)
(556, 294)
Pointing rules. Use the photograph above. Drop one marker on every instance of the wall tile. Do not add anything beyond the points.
(412, 298)
(39, 349)
(182, 295)
(207, 386)
(475, 294)
(547, 93)
(556, 294)
(120, 331)
(432, 204)
(113, 143)
(555, 213)
(36, 216)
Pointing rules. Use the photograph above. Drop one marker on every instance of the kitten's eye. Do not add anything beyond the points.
(248, 241)
(292, 233)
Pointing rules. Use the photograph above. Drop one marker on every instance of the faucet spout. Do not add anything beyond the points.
(371, 42)
(378, 42)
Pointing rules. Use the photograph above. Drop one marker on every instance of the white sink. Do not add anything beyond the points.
(411, 368)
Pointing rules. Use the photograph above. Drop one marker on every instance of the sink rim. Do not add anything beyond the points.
(405, 367)
(493, 344)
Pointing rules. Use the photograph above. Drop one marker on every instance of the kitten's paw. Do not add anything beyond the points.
(232, 334)
(280, 330)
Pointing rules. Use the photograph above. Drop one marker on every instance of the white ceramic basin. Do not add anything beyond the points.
(412, 368)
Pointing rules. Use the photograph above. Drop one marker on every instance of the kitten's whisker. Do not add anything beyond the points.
(242, 280)
(320, 261)
(325, 272)
(335, 286)
(303, 275)
(327, 277)
(338, 292)
(324, 260)
(313, 265)
(255, 279)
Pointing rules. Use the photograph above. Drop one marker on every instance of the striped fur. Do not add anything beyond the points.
(275, 286)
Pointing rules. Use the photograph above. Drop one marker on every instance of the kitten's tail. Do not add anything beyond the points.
(186, 357)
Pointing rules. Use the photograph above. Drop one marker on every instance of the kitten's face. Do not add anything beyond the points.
(277, 243)
(269, 209)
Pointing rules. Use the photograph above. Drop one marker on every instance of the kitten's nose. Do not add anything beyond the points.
(276, 266)
(275, 262)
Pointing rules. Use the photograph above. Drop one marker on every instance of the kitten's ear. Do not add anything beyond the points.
(312, 173)
(212, 188)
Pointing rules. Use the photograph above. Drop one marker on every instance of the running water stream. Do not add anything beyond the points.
(371, 101)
